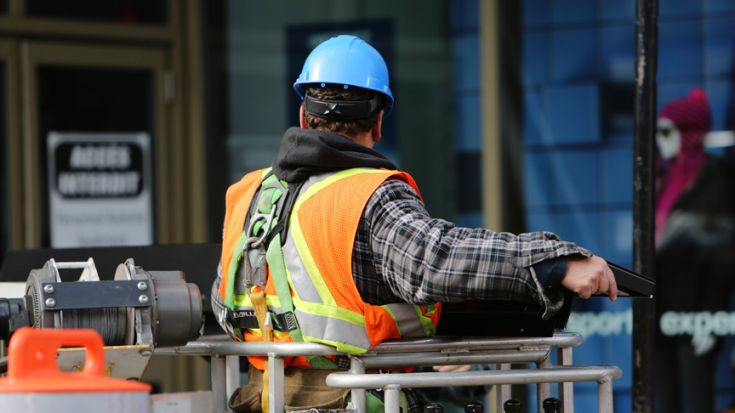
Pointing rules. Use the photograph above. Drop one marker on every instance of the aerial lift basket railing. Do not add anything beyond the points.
(425, 352)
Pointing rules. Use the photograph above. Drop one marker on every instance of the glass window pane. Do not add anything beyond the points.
(128, 12)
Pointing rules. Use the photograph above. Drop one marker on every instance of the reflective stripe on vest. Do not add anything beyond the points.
(318, 260)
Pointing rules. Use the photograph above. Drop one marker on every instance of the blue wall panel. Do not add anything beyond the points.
(576, 176)
(720, 96)
(535, 12)
(617, 10)
(580, 226)
(618, 53)
(535, 125)
(466, 59)
(677, 8)
(617, 175)
(535, 59)
(539, 219)
(574, 55)
(469, 219)
(719, 42)
(719, 6)
(618, 235)
(680, 49)
(573, 11)
(464, 15)
(467, 121)
(573, 113)
(537, 179)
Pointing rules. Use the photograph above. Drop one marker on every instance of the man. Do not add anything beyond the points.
(333, 245)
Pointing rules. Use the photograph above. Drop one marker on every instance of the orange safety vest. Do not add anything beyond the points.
(318, 260)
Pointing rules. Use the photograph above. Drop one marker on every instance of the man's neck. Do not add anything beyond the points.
(364, 139)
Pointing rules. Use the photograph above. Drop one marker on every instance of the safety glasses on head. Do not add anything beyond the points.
(342, 109)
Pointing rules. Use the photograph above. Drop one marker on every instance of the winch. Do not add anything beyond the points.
(158, 308)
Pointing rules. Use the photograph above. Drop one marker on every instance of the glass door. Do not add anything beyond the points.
(97, 140)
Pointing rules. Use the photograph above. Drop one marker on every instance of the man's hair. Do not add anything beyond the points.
(344, 127)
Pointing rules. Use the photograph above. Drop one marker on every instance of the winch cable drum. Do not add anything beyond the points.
(137, 307)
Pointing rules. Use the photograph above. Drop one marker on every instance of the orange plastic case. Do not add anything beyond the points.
(32, 365)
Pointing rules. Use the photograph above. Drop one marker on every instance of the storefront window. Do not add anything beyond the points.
(695, 207)
(129, 12)
(578, 73)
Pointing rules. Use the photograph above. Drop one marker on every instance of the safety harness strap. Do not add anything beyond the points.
(246, 319)
(277, 266)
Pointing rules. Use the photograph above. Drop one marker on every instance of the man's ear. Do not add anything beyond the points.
(302, 121)
(377, 130)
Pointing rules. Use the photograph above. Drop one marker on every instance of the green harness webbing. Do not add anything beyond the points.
(272, 200)
(277, 265)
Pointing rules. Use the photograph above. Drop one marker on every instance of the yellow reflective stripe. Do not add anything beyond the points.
(343, 347)
(393, 316)
(244, 301)
(330, 180)
(309, 264)
(333, 329)
(408, 319)
(330, 311)
(297, 275)
(426, 322)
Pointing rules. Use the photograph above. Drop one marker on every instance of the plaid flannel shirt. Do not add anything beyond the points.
(402, 254)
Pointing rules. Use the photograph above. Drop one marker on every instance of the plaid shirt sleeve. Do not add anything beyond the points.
(419, 259)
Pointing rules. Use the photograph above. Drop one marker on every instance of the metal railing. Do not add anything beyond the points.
(392, 383)
(424, 352)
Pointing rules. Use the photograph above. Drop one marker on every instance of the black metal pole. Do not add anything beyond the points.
(644, 314)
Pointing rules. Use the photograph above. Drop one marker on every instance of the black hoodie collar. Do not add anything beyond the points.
(307, 152)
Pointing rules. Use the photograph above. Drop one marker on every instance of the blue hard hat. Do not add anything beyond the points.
(346, 60)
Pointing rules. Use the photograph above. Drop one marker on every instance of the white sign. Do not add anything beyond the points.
(99, 189)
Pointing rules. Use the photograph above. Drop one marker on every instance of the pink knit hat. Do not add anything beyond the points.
(690, 113)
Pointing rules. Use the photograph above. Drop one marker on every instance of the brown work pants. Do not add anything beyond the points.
(303, 389)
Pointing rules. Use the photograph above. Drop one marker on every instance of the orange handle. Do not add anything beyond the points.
(33, 351)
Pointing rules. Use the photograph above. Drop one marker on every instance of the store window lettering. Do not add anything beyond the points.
(698, 324)
(603, 323)
(99, 183)
(100, 157)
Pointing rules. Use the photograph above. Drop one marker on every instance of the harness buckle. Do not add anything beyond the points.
(252, 269)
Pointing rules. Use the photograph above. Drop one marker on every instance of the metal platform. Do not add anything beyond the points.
(425, 352)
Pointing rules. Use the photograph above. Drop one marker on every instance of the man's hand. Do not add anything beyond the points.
(590, 275)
